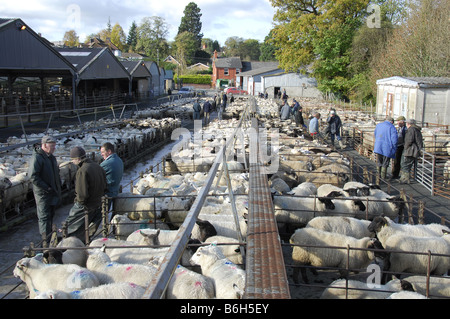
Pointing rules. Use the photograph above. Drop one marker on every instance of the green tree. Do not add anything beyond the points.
(267, 49)
(250, 50)
(132, 37)
(185, 46)
(190, 22)
(71, 39)
(152, 34)
(118, 37)
(319, 33)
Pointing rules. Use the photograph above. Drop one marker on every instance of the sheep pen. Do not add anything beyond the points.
(163, 199)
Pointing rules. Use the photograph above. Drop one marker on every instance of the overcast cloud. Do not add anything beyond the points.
(248, 19)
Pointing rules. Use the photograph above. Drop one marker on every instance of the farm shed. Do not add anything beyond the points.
(296, 85)
(141, 77)
(99, 71)
(25, 54)
(251, 80)
(425, 99)
(154, 70)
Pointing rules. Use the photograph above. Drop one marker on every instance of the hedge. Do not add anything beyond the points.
(194, 79)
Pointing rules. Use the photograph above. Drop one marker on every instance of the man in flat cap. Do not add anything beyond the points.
(90, 186)
(44, 175)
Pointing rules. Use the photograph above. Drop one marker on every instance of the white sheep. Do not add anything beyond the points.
(121, 290)
(348, 226)
(124, 226)
(362, 290)
(278, 185)
(224, 273)
(384, 227)
(406, 295)
(329, 190)
(73, 256)
(300, 210)
(356, 188)
(304, 189)
(392, 205)
(41, 277)
(438, 286)
(109, 272)
(187, 284)
(330, 257)
(418, 263)
(232, 252)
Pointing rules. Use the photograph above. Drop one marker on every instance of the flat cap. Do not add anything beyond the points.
(411, 121)
(77, 151)
(401, 118)
(48, 139)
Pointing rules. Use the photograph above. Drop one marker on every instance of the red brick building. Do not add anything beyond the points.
(226, 70)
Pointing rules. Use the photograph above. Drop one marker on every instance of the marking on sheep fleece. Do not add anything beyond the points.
(182, 154)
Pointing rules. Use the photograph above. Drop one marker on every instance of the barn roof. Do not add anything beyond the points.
(417, 81)
(25, 53)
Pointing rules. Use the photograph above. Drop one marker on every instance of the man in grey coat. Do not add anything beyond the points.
(44, 175)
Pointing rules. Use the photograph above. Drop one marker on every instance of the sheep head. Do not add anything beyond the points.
(150, 239)
(377, 224)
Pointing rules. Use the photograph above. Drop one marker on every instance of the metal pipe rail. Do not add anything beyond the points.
(158, 285)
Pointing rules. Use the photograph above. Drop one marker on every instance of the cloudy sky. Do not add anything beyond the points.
(221, 19)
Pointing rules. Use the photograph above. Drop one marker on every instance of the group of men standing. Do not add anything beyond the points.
(92, 182)
(402, 144)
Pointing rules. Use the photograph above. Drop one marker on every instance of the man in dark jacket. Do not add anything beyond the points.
(207, 107)
(334, 127)
(90, 186)
(412, 147)
(400, 145)
(44, 175)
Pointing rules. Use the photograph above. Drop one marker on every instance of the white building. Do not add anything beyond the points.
(295, 84)
(425, 99)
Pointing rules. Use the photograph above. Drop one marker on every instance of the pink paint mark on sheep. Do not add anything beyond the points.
(198, 284)
(104, 239)
(128, 268)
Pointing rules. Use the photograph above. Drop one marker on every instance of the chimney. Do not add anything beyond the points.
(215, 54)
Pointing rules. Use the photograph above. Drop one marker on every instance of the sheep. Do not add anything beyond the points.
(384, 227)
(67, 256)
(152, 239)
(304, 189)
(329, 190)
(124, 226)
(348, 226)
(201, 231)
(278, 185)
(356, 189)
(406, 295)
(399, 262)
(361, 290)
(330, 257)
(187, 284)
(223, 272)
(392, 205)
(232, 252)
(336, 174)
(438, 286)
(109, 272)
(41, 277)
(300, 210)
(121, 290)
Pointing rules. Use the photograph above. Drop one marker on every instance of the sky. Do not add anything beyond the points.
(221, 19)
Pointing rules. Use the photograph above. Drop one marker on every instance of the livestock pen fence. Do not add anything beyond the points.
(432, 169)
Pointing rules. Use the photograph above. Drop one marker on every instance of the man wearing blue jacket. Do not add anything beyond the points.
(385, 145)
(113, 167)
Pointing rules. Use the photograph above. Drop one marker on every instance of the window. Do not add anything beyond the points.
(226, 71)
(238, 71)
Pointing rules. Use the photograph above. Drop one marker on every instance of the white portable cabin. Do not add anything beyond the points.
(425, 99)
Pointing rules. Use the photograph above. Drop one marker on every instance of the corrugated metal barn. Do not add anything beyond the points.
(25, 54)
(425, 99)
(296, 85)
(141, 78)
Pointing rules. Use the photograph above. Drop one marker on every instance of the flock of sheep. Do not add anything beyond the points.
(315, 201)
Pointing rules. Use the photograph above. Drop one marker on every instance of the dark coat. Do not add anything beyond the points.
(44, 175)
(413, 141)
(90, 184)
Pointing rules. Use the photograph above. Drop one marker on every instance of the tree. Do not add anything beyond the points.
(190, 22)
(71, 39)
(250, 50)
(232, 46)
(318, 33)
(152, 34)
(132, 37)
(267, 49)
(118, 37)
(185, 46)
